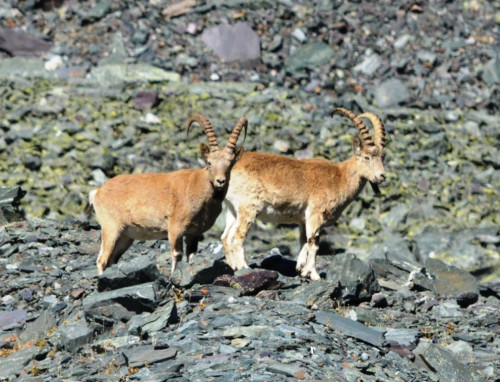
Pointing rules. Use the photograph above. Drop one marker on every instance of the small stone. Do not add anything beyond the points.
(281, 146)
(369, 65)
(146, 100)
(309, 55)
(391, 92)
(299, 35)
(233, 43)
(54, 63)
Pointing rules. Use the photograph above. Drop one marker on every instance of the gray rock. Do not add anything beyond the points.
(299, 35)
(369, 65)
(147, 355)
(149, 323)
(120, 74)
(10, 199)
(446, 310)
(204, 267)
(137, 298)
(406, 337)
(402, 41)
(447, 367)
(96, 13)
(16, 67)
(491, 71)
(19, 43)
(39, 328)
(73, 335)
(13, 319)
(146, 100)
(136, 271)
(12, 365)
(233, 42)
(426, 57)
(309, 55)
(317, 294)
(289, 370)
(390, 93)
(356, 279)
(395, 216)
(350, 328)
(453, 282)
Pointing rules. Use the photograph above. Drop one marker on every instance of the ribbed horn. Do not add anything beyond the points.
(365, 134)
(378, 127)
(207, 128)
(233, 138)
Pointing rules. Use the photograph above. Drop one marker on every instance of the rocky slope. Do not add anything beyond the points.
(411, 280)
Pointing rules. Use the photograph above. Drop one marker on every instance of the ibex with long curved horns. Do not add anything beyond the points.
(311, 192)
(154, 206)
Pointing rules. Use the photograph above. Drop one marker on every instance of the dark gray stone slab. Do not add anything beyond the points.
(10, 198)
(137, 298)
(73, 336)
(233, 43)
(138, 270)
(39, 328)
(204, 267)
(350, 328)
(403, 336)
(356, 279)
(452, 282)
(142, 355)
(146, 323)
(316, 294)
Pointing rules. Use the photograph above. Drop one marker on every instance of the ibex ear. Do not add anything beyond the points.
(204, 150)
(238, 152)
(357, 145)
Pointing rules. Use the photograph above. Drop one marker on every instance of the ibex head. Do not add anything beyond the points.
(219, 161)
(369, 153)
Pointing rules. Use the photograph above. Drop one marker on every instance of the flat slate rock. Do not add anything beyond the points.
(452, 282)
(391, 92)
(137, 298)
(350, 328)
(139, 270)
(9, 320)
(309, 56)
(19, 43)
(447, 366)
(148, 323)
(147, 355)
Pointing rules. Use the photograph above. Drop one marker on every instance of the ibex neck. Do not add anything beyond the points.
(351, 178)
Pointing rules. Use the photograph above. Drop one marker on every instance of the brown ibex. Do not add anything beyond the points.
(311, 192)
(174, 205)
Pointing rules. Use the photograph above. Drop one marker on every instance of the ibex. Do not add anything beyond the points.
(174, 205)
(310, 192)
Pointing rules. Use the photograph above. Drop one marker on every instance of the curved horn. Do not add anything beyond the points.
(378, 127)
(207, 128)
(365, 134)
(242, 123)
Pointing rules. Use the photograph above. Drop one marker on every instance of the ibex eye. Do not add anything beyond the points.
(367, 158)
